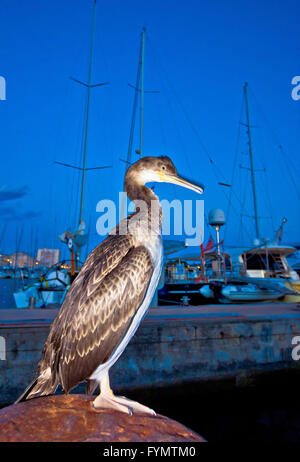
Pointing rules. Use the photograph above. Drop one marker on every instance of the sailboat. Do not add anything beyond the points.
(262, 272)
(258, 274)
(267, 261)
(55, 283)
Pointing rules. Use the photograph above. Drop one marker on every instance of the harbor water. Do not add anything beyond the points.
(7, 287)
(264, 411)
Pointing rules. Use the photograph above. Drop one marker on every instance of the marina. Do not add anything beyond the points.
(149, 233)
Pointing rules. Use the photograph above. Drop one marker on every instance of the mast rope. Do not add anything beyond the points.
(234, 166)
(287, 160)
(217, 172)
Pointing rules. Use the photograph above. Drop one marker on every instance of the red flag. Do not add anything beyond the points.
(210, 244)
(202, 250)
(203, 264)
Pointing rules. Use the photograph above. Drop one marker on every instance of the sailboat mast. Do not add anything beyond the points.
(142, 92)
(87, 117)
(140, 71)
(251, 161)
(137, 84)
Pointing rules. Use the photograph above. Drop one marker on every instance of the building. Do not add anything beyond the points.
(5, 260)
(48, 257)
(21, 259)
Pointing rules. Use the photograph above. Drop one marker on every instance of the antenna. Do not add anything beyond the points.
(279, 233)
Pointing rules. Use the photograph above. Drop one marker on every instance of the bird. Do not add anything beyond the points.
(110, 296)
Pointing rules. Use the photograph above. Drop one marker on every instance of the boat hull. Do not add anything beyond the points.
(185, 293)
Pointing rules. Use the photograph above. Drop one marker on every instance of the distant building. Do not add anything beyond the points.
(20, 259)
(5, 260)
(48, 257)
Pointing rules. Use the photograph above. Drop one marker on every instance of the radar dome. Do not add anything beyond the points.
(216, 217)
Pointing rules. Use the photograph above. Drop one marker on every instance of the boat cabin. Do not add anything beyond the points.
(268, 262)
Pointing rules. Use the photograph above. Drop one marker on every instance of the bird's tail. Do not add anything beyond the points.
(41, 386)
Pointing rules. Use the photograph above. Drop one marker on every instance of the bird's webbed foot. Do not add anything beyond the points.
(121, 404)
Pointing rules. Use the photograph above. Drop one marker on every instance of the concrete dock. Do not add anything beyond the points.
(173, 345)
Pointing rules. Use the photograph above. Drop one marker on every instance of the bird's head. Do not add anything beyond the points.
(161, 170)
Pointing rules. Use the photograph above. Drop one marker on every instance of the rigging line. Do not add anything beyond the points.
(266, 187)
(100, 118)
(194, 129)
(76, 63)
(158, 101)
(243, 190)
(234, 164)
(272, 131)
(162, 131)
(134, 110)
(75, 217)
(277, 141)
(283, 153)
(164, 138)
(218, 174)
(241, 231)
(214, 166)
(216, 170)
(172, 112)
(72, 196)
(61, 121)
(178, 133)
(243, 207)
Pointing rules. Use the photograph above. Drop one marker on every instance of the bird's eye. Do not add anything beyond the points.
(163, 167)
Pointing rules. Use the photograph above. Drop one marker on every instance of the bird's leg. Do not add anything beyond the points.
(107, 400)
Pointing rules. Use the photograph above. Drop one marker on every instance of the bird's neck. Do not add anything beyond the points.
(146, 202)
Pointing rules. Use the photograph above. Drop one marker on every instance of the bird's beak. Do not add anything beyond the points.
(180, 181)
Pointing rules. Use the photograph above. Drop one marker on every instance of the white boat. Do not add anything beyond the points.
(50, 289)
(244, 291)
(269, 263)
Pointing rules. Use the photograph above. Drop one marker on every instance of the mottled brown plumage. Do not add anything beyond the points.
(110, 295)
(95, 314)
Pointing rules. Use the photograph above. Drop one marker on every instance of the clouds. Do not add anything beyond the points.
(14, 212)
(7, 194)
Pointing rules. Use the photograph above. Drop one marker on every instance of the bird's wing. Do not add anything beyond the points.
(100, 262)
(90, 327)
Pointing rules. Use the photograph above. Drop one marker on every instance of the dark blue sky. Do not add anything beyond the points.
(198, 55)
